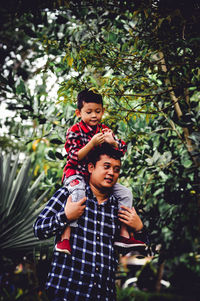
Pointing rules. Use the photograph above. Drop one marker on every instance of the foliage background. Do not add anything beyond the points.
(143, 57)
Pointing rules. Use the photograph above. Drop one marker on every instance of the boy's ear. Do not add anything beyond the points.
(78, 113)
(90, 167)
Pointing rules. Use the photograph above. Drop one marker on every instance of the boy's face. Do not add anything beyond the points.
(91, 113)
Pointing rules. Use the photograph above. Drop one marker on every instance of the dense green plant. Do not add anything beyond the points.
(143, 56)
(20, 204)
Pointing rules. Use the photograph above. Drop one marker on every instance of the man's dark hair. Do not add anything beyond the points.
(88, 96)
(103, 149)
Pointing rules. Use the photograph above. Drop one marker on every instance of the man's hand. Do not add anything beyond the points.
(129, 217)
(73, 210)
(97, 139)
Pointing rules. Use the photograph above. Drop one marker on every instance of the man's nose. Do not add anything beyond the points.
(111, 171)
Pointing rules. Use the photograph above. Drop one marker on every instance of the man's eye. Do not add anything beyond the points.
(117, 170)
(106, 166)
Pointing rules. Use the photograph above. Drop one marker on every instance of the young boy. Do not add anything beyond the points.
(81, 138)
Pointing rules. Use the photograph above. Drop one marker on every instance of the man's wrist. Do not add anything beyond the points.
(63, 218)
(141, 231)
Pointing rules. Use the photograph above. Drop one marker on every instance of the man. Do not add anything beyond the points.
(89, 272)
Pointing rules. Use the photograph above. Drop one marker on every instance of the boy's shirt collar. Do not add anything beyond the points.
(86, 128)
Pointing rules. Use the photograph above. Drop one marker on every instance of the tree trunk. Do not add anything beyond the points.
(159, 276)
(177, 108)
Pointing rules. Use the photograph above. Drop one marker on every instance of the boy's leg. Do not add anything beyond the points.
(124, 195)
(126, 198)
(76, 187)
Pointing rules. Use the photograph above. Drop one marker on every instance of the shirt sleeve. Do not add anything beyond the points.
(52, 218)
(72, 145)
(122, 147)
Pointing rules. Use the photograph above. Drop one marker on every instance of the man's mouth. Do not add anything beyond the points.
(109, 180)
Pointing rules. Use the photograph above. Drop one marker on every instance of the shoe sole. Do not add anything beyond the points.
(123, 245)
(62, 251)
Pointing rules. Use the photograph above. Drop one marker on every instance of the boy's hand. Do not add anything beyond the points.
(97, 139)
(108, 137)
(73, 210)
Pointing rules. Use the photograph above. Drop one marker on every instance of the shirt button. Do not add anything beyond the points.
(97, 268)
(98, 237)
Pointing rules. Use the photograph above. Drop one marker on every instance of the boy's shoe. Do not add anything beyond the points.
(129, 243)
(63, 246)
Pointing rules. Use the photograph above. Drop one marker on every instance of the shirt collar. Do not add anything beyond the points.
(111, 199)
(87, 129)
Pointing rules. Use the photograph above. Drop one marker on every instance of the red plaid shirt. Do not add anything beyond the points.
(78, 136)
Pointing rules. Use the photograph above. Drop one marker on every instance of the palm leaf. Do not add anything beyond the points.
(19, 206)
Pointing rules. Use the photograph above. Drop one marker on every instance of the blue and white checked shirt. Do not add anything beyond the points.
(89, 272)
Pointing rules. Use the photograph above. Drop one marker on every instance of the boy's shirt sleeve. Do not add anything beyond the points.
(122, 147)
(52, 219)
(72, 145)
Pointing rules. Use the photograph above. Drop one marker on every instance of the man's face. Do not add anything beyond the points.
(105, 173)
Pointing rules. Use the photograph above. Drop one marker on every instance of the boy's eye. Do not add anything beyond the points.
(98, 111)
(88, 112)
(117, 169)
(106, 166)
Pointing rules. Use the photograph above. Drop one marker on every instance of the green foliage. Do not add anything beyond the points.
(143, 57)
(131, 294)
(20, 205)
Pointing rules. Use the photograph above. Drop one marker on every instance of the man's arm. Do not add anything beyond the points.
(57, 214)
(130, 217)
(52, 218)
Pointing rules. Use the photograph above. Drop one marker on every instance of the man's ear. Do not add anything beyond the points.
(78, 113)
(90, 167)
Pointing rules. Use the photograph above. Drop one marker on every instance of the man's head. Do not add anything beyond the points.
(104, 167)
(90, 107)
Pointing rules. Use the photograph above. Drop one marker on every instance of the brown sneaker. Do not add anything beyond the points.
(63, 246)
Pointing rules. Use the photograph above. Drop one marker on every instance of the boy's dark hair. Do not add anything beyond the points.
(103, 149)
(88, 96)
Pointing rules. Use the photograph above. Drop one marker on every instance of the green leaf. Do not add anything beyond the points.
(59, 155)
(19, 206)
(56, 141)
(51, 155)
(21, 88)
